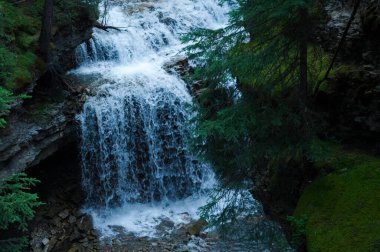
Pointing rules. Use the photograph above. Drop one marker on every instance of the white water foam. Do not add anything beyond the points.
(144, 219)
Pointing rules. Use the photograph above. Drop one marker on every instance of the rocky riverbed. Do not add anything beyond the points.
(61, 225)
(72, 230)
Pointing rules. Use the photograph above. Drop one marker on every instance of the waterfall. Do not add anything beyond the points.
(134, 133)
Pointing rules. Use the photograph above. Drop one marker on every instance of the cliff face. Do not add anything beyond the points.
(40, 126)
(350, 104)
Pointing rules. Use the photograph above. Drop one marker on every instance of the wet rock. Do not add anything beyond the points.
(165, 225)
(179, 65)
(91, 237)
(83, 240)
(53, 231)
(52, 212)
(196, 228)
(78, 213)
(45, 241)
(117, 229)
(75, 236)
(52, 242)
(185, 216)
(72, 219)
(64, 214)
(116, 242)
(57, 221)
(166, 20)
(85, 223)
(181, 231)
(76, 248)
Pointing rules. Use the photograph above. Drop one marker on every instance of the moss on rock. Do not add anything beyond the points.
(20, 25)
(343, 207)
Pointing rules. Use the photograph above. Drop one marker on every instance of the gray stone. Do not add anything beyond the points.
(52, 242)
(72, 219)
(29, 139)
(57, 221)
(165, 225)
(85, 223)
(45, 241)
(64, 214)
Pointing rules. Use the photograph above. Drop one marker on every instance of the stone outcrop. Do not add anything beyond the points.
(351, 104)
(37, 130)
(39, 127)
(30, 138)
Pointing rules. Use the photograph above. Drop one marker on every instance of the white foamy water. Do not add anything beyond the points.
(136, 166)
(144, 219)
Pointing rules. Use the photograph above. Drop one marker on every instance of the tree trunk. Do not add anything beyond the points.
(45, 37)
(303, 69)
(303, 55)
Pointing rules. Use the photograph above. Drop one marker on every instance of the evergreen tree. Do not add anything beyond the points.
(253, 109)
(16, 207)
(6, 97)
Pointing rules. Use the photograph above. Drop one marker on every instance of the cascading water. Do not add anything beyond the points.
(133, 131)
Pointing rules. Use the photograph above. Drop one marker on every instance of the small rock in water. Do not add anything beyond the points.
(116, 242)
(45, 241)
(165, 225)
(197, 227)
(185, 216)
(78, 213)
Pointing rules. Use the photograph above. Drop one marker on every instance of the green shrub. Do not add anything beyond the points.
(16, 207)
(6, 97)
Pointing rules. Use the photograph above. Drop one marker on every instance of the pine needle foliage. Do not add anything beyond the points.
(16, 207)
(260, 45)
(6, 99)
(252, 107)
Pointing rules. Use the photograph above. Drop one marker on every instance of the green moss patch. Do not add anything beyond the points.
(19, 32)
(343, 207)
(20, 25)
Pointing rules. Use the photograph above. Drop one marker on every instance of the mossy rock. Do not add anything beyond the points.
(343, 207)
(196, 228)
(20, 26)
